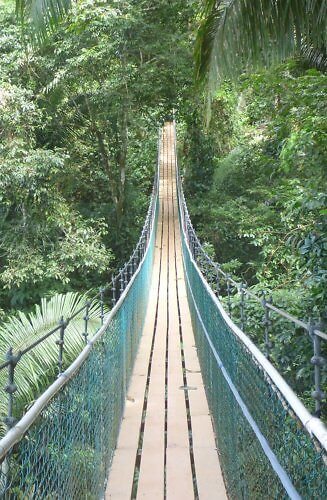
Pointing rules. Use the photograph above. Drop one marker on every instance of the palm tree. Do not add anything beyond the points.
(42, 15)
(37, 369)
(239, 35)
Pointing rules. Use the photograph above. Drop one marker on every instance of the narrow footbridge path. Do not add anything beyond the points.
(166, 446)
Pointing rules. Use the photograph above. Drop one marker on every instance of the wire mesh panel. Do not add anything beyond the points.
(67, 451)
(265, 452)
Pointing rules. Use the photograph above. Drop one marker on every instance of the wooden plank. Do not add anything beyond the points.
(178, 471)
(179, 479)
(151, 474)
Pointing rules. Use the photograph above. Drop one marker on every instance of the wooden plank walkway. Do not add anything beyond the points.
(166, 447)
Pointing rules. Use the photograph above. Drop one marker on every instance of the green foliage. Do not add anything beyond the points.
(42, 16)
(261, 201)
(45, 242)
(78, 120)
(244, 35)
(38, 368)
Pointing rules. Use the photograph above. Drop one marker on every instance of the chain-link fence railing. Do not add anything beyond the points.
(269, 445)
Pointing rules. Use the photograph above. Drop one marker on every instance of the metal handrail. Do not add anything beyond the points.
(314, 331)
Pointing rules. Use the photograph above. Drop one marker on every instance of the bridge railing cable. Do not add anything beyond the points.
(270, 446)
(63, 445)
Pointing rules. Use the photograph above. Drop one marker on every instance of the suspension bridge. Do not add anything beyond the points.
(170, 398)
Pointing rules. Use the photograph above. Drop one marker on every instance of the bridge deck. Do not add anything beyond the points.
(166, 446)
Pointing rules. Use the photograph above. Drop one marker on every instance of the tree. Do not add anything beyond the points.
(78, 130)
(236, 35)
(42, 15)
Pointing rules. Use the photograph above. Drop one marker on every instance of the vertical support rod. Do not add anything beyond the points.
(121, 281)
(61, 342)
(130, 268)
(218, 280)
(242, 306)
(229, 304)
(135, 262)
(101, 291)
(318, 362)
(194, 247)
(125, 276)
(267, 324)
(86, 321)
(190, 238)
(113, 289)
(11, 387)
(142, 246)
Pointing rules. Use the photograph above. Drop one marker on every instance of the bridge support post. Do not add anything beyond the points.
(121, 281)
(318, 361)
(242, 306)
(266, 323)
(101, 291)
(125, 276)
(11, 387)
(113, 290)
(86, 320)
(135, 261)
(60, 342)
(130, 268)
(195, 250)
(229, 304)
(218, 279)
(9, 420)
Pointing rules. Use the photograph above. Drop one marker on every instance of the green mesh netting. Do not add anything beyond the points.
(67, 451)
(246, 468)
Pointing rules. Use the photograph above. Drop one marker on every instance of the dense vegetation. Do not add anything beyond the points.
(78, 126)
(262, 201)
(79, 121)
(264, 206)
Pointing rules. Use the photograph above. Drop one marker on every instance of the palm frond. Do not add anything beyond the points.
(43, 16)
(238, 35)
(38, 368)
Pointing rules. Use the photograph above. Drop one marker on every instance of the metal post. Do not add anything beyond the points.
(150, 218)
(11, 387)
(189, 236)
(318, 362)
(130, 268)
(185, 218)
(193, 246)
(218, 280)
(121, 281)
(229, 304)
(86, 319)
(134, 262)
(101, 291)
(242, 306)
(125, 276)
(113, 289)
(141, 248)
(61, 342)
(266, 323)
(196, 249)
